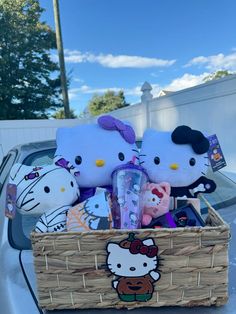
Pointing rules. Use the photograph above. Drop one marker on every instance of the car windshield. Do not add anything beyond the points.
(21, 227)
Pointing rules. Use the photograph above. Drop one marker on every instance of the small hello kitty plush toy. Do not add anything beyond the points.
(155, 201)
(135, 264)
(48, 191)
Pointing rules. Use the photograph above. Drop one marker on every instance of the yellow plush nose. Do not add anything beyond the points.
(174, 166)
(100, 163)
(63, 189)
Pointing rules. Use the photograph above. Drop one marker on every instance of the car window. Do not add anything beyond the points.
(6, 165)
(40, 158)
(22, 225)
(225, 193)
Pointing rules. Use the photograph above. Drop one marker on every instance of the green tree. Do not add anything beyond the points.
(217, 75)
(29, 79)
(108, 102)
(60, 114)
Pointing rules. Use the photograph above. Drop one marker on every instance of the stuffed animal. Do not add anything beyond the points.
(48, 191)
(92, 214)
(178, 158)
(96, 149)
(155, 200)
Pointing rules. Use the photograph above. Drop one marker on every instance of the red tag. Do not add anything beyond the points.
(10, 206)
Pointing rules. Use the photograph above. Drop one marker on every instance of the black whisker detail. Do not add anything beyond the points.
(137, 157)
(23, 204)
(203, 173)
(31, 208)
(30, 192)
(37, 228)
(109, 275)
(142, 162)
(135, 150)
(206, 157)
(207, 165)
(142, 155)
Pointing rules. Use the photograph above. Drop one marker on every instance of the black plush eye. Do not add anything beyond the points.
(121, 156)
(78, 160)
(156, 160)
(46, 189)
(145, 264)
(192, 161)
(153, 199)
(71, 183)
(96, 206)
(118, 265)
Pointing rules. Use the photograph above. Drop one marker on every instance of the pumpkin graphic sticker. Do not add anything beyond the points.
(135, 263)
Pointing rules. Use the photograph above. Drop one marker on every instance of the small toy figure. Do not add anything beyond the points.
(187, 216)
(135, 264)
(155, 201)
(48, 191)
(181, 220)
(92, 214)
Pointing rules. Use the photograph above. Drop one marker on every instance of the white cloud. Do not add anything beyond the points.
(114, 61)
(78, 80)
(185, 81)
(215, 62)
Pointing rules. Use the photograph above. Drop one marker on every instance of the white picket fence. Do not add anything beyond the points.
(210, 107)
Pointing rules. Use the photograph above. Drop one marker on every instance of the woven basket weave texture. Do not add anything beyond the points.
(71, 271)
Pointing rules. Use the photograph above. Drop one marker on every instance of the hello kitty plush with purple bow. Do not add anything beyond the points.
(96, 149)
(155, 201)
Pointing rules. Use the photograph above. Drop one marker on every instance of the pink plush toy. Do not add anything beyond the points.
(155, 201)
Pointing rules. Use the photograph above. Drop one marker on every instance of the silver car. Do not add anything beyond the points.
(18, 293)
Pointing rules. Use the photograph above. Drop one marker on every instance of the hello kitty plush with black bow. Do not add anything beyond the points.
(48, 191)
(178, 157)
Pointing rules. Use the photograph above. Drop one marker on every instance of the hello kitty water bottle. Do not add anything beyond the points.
(127, 183)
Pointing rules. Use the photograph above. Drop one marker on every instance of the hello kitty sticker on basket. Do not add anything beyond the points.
(135, 263)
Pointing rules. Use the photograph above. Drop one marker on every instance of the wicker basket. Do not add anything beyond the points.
(71, 274)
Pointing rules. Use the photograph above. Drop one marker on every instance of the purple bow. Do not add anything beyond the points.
(63, 163)
(108, 122)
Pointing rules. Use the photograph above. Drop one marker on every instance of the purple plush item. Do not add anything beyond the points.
(61, 162)
(110, 123)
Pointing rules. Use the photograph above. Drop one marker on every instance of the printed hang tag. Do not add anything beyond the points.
(10, 206)
(215, 154)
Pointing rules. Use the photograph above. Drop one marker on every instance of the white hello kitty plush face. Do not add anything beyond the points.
(123, 263)
(166, 161)
(40, 189)
(97, 149)
(48, 191)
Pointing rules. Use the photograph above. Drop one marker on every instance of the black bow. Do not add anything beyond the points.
(185, 135)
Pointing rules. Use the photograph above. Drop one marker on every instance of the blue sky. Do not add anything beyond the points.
(119, 44)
